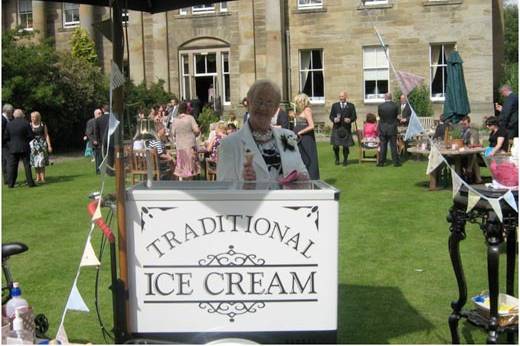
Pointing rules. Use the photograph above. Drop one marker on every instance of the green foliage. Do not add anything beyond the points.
(511, 34)
(511, 75)
(142, 97)
(456, 132)
(206, 117)
(64, 89)
(82, 46)
(420, 100)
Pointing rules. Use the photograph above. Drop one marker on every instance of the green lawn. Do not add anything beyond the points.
(396, 280)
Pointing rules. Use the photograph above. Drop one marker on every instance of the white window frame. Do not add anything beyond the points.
(376, 2)
(304, 5)
(365, 68)
(203, 9)
(223, 6)
(206, 73)
(224, 74)
(185, 58)
(313, 99)
(70, 24)
(442, 65)
(26, 13)
(183, 11)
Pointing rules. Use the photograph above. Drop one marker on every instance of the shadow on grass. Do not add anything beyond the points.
(62, 178)
(376, 315)
(330, 181)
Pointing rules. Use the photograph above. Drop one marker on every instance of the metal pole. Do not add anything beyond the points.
(120, 318)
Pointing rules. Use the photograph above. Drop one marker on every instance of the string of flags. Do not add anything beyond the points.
(75, 301)
(407, 82)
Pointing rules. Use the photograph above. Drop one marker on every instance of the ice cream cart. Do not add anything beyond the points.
(214, 260)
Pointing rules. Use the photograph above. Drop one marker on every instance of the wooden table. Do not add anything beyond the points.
(455, 155)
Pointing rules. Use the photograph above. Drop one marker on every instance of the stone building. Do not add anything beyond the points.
(319, 47)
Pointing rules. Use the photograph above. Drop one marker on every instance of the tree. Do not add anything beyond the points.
(511, 34)
(82, 46)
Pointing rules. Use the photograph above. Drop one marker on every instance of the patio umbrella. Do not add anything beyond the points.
(456, 104)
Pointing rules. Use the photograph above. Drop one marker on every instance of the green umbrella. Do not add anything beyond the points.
(456, 104)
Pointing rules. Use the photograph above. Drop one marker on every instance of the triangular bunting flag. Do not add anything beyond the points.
(103, 165)
(434, 159)
(61, 336)
(112, 124)
(495, 204)
(414, 126)
(408, 81)
(117, 79)
(97, 213)
(89, 256)
(510, 199)
(456, 182)
(75, 301)
(473, 199)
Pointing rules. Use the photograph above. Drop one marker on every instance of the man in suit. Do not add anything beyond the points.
(101, 139)
(90, 133)
(280, 119)
(18, 134)
(508, 118)
(342, 115)
(388, 112)
(7, 116)
(405, 110)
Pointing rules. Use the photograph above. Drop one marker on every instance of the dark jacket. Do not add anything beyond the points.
(406, 113)
(90, 129)
(282, 119)
(509, 115)
(348, 112)
(4, 124)
(388, 113)
(101, 129)
(18, 134)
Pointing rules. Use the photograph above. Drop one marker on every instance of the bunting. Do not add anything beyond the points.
(112, 124)
(97, 214)
(473, 198)
(61, 335)
(75, 301)
(116, 77)
(434, 159)
(408, 81)
(510, 199)
(495, 204)
(89, 257)
(456, 182)
(414, 126)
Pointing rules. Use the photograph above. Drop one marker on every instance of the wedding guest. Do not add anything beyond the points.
(304, 128)
(497, 136)
(509, 111)
(185, 130)
(342, 114)
(7, 116)
(220, 134)
(18, 134)
(388, 112)
(166, 161)
(40, 146)
(370, 132)
(259, 152)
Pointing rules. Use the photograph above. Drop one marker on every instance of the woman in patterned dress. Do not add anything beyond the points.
(185, 129)
(40, 146)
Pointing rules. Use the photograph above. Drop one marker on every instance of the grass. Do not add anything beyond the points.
(396, 279)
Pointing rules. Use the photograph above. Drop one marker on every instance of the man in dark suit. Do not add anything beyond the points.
(508, 118)
(281, 119)
(18, 134)
(90, 134)
(405, 110)
(342, 115)
(101, 135)
(7, 116)
(388, 112)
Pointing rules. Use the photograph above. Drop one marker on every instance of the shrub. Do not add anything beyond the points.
(206, 117)
(420, 100)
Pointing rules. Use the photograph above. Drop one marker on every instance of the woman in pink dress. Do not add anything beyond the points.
(185, 129)
(370, 133)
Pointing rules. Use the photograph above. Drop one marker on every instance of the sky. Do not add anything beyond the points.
(511, 2)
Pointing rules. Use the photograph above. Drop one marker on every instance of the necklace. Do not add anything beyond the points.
(261, 136)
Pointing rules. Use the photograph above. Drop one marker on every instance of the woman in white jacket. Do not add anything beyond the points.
(258, 151)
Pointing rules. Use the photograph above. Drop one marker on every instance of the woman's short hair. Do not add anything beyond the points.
(37, 115)
(222, 126)
(492, 121)
(183, 108)
(371, 118)
(263, 86)
(301, 101)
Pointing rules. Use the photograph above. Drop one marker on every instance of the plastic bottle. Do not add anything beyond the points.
(15, 302)
(19, 336)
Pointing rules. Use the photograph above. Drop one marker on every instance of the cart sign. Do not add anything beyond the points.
(232, 261)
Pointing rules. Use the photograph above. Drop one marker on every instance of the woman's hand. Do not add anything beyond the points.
(248, 173)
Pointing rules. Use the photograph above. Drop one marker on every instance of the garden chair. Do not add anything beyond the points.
(366, 154)
(138, 168)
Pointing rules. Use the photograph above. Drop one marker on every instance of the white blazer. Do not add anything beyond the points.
(232, 149)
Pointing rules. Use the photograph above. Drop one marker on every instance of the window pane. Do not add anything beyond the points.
(381, 60)
(305, 59)
(369, 58)
(225, 65)
(185, 65)
(306, 84)
(212, 63)
(25, 6)
(227, 92)
(370, 88)
(200, 63)
(319, 90)
(382, 87)
(186, 95)
(437, 83)
(316, 59)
